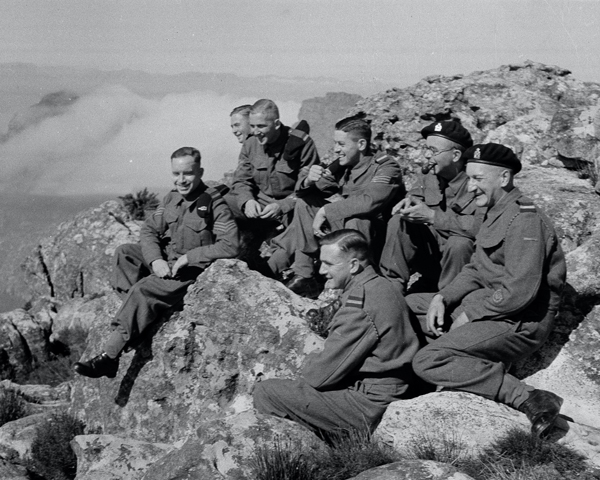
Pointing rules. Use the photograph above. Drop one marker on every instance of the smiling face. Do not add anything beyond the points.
(336, 266)
(240, 126)
(264, 127)
(488, 183)
(187, 175)
(347, 149)
(441, 151)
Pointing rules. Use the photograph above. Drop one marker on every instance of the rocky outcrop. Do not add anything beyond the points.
(237, 326)
(77, 260)
(413, 470)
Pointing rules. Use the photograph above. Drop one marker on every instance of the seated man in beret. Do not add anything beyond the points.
(191, 228)
(433, 229)
(365, 363)
(501, 306)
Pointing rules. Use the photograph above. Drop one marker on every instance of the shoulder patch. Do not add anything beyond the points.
(356, 300)
(526, 205)
(300, 134)
(383, 158)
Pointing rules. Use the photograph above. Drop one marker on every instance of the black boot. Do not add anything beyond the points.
(542, 408)
(305, 287)
(99, 366)
(319, 319)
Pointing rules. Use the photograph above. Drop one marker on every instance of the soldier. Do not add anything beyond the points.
(433, 229)
(240, 122)
(365, 363)
(501, 307)
(270, 161)
(192, 227)
(362, 189)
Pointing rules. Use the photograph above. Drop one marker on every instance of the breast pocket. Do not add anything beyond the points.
(287, 171)
(197, 233)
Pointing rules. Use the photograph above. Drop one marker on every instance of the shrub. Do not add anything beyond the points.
(51, 453)
(346, 456)
(12, 406)
(137, 205)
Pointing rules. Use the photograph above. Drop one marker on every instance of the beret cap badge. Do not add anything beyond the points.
(438, 127)
(477, 153)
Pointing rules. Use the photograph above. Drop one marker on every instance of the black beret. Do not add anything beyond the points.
(493, 154)
(450, 130)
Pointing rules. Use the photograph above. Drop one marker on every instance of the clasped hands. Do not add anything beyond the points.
(161, 268)
(253, 209)
(414, 210)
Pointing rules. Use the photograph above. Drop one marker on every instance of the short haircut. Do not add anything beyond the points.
(187, 152)
(358, 128)
(243, 110)
(266, 107)
(349, 241)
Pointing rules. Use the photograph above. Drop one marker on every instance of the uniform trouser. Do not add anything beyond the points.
(474, 357)
(359, 407)
(300, 242)
(411, 247)
(146, 299)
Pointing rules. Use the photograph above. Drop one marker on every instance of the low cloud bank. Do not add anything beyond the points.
(113, 141)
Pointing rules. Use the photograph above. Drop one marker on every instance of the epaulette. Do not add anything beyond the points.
(383, 157)
(526, 205)
(300, 134)
(356, 299)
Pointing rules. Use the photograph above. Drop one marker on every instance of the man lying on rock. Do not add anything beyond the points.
(192, 227)
(365, 363)
(501, 306)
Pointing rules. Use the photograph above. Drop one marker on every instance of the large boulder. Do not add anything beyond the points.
(77, 259)
(470, 424)
(413, 470)
(236, 326)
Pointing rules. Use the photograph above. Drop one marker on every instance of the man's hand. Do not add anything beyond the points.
(179, 264)
(460, 320)
(417, 212)
(252, 209)
(314, 175)
(272, 210)
(435, 315)
(161, 268)
(319, 223)
(401, 205)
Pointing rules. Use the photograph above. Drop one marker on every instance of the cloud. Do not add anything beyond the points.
(115, 142)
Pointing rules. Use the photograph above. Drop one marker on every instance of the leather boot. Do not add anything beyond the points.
(542, 408)
(99, 366)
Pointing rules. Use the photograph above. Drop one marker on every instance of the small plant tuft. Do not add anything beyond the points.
(12, 406)
(443, 446)
(51, 453)
(137, 205)
(282, 460)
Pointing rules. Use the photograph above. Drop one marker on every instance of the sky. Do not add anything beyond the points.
(114, 141)
(390, 40)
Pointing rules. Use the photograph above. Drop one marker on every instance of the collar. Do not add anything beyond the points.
(360, 279)
(278, 144)
(457, 182)
(199, 190)
(508, 199)
(361, 167)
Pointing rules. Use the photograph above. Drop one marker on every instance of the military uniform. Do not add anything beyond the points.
(203, 229)
(437, 251)
(364, 196)
(269, 173)
(363, 367)
(510, 293)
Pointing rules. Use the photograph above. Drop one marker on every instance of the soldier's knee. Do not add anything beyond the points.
(423, 362)
(262, 396)
(460, 245)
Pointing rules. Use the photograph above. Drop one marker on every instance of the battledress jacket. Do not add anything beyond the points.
(179, 227)
(265, 169)
(370, 338)
(518, 269)
(366, 190)
(455, 210)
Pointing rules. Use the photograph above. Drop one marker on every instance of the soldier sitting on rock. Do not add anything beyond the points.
(359, 194)
(365, 363)
(433, 229)
(501, 306)
(191, 228)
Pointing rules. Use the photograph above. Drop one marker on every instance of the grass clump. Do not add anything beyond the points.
(51, 453)
(444, 446)
(12, 406)
(345, 456)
